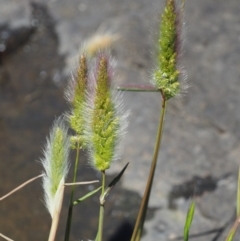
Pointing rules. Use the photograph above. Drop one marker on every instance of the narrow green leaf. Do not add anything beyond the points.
(86, 196)
(233, 230)
(238, 194)
(230, 236)
(113, 183)
(189, 219)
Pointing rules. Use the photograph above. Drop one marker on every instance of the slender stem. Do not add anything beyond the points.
(238, 194)
(144, 204)
(137, 89)
(56, 214)
(21, 186)
(70, 209)
(233, 229)
(5, 237)
(101, 211)
(80, 183)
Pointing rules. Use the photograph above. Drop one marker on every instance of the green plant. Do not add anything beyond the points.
(99, 122)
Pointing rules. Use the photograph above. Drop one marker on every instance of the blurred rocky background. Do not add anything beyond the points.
(39, 45)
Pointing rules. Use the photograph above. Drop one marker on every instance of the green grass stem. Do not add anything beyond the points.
(70, 209)
(101, 211)
(238, 194)
(137, 232)
(137, 88)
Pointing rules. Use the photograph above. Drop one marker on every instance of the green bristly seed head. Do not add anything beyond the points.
(81, 82)
(58, 159)
(55, 163)
(76, 118)
(104, 123)
(166, 76)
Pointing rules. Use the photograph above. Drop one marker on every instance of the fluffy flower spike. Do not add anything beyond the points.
(76, 95)
(101, 40)
(166, 76)
(55, 164)
(107, 121)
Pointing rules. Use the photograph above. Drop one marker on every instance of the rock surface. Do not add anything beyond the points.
(201, 135)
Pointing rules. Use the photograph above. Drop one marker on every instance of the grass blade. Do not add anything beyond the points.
(233, 230)
(113, 183)
(231, 235)
(189, 219)
(86, 196)
(238, 194)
